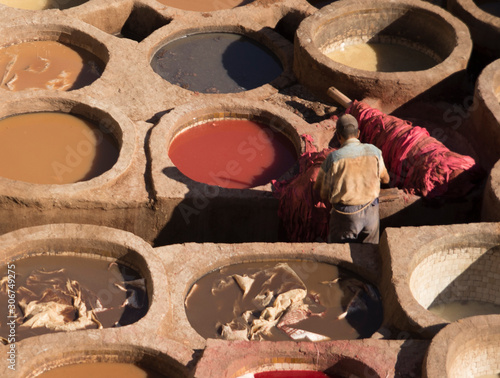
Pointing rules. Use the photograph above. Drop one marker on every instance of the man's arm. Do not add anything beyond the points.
(384, 177)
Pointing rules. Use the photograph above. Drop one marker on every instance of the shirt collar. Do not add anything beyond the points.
(351, 141)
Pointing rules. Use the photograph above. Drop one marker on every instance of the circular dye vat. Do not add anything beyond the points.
(296, 300)
(232, 153)
(42, 4)
(491, 7)
(204, 5)
(56, 293)
(47, 65)
(101, 370)
(216, 63)
(289, 374)
(381, 57)
(54, 148)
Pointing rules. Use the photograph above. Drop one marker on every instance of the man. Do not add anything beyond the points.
(350, 179)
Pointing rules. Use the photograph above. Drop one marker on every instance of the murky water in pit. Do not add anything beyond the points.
(296, 300)
(100, 370)
(42, 4)
(204, 5)
(54, 148)
(382, 57)
(453, 311)
(55, 293)
(47, 65)
(216, 63)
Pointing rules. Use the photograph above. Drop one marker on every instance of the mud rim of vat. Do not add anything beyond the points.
(212, 11)
(416, 312)
(164, 357)
(451, 344)
(199, 112)
(66, 34)
(277, 45)
(311, 27)
(488, 88)
(107, 118)
(470, 7)
(95, 241)
(202, 259)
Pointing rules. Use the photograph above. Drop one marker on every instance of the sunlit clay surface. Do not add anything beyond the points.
(204, 5)
(293, 300)
(42, 4)
(216, 63)
(47, 65)
(54, 148)
(382, 57)
(100, 370)
(56, 293)
(232, 153)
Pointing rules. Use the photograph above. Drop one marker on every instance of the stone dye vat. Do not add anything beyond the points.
(418, 26)
(47, 65)
(309, 261)
(74, 277)
(483, 127)
(482, 17)
(79, 150)
(216, 63)
(76, 202)
(355, 358)
(122, 354)
(204, 5)
(232, 153)
(64, 292)
(467, 348)
(42, 4)
(189, 203)
(438, 274)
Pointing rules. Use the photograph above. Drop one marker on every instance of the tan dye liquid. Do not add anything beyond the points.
(204, 5)
(47, 65)
(489, 376)
(42, 4)
(458, 310)
(54, 148)
(382, 57)
(216, 299)
(100, 370)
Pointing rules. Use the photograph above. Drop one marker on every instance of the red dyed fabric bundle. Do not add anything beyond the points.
(416, 161)
(305, 217)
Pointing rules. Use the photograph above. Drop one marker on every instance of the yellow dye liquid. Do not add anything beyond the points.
(382, 57)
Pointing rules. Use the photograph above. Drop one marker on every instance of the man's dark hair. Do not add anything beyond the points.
(347, 126)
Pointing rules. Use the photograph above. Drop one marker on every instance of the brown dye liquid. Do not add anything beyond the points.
(47, 65)
(115, 294)
(204, 5)
(458, 310)
(382, 57)
(216, 300)
(42, 4)
(54, 148)
(100, 370)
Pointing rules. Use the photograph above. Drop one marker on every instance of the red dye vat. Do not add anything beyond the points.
(291, 374)
(232, 153)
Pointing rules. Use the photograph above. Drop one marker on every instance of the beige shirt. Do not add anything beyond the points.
(351, 174)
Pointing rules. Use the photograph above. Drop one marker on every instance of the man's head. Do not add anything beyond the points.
(347, 127)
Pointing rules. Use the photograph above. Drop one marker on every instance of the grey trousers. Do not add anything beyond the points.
(354, 226)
